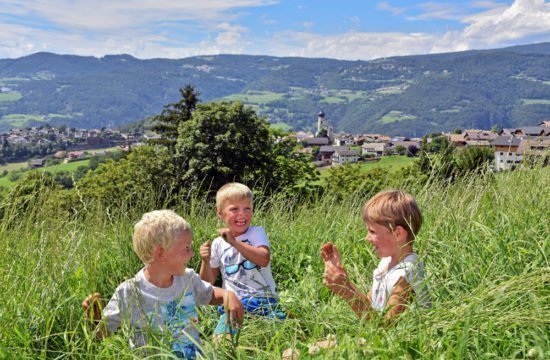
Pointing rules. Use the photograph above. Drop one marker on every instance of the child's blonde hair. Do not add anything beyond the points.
(232, 191)
(158, 227)
(394, 208)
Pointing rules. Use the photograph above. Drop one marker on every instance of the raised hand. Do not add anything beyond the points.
(329, 253)
(225, 233)
(205, 252)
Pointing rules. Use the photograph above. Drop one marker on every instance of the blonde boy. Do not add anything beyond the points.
(241, 254)
(392, 219)
(163, 295)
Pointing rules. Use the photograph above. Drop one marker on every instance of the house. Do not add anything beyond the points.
(480, 143)
(479, 135)
(507, 152)
(316, 141)
(36, 163)
(406, 144)
(326, 152)
(457, 140)
(343, 140)
(74, 155)
(345, 156)
(373, 149)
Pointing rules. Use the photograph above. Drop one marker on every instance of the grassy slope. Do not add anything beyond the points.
(485, 248)
(72, 166)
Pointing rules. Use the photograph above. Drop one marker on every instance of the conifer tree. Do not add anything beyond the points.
(167, 123)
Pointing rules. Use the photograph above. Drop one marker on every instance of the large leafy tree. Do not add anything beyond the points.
(226, 142)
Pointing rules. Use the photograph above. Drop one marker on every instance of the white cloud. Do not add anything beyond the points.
(498, 26)
(65, 26)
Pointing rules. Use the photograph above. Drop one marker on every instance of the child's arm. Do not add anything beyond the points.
(207, 273)
(401, 296)
(93, 306)
(231, 304)
(337, 280)
(258, 255)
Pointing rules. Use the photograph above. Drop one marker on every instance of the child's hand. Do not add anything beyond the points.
(204, 251)
(225, 233)
(335, 276)
(93, 305)
(329, 253)
(234, 308)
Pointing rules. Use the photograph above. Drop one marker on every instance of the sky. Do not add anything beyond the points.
(340, 29)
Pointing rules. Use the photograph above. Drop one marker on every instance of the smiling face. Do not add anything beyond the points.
(384, 241)
(178, 255)
(237, 215)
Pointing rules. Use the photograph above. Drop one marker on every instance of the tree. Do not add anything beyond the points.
(400, 150)
(226, 142)
(412, 150)
(350, 179)
(474, 159)
(173, 115)
(146, 171)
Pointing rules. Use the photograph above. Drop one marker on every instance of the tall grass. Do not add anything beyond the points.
(484, 243)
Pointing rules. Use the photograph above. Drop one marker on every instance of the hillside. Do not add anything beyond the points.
(409, 95)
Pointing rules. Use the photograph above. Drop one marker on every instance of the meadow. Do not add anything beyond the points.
(70, 167)
(484, 243)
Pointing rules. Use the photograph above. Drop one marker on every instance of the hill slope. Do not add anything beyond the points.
(412, 94)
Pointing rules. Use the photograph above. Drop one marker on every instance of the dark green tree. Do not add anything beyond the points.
(173, 115)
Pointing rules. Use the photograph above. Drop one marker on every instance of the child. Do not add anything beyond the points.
(241, 254)
(163, 295)
(392, 219)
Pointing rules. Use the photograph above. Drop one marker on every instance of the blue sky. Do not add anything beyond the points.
(341, 29)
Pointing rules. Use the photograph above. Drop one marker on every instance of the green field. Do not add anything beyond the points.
(256, 97)
(18, 120)
(72, 166)
(485, 250)
(11, 96)
(14, 166)
(394, 116)
(535, 101)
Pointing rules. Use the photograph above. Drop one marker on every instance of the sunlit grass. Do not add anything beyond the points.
(484, 242)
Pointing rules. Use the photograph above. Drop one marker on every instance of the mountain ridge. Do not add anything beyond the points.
(408, 95)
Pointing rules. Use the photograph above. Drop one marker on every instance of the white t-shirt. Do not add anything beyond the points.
(244, 283)
(141, 307)
(409, 268)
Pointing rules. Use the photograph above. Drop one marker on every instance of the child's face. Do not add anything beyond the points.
(179, 254)
(383, 240)
(237, 215)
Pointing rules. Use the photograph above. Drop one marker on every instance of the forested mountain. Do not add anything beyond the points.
(409, 95)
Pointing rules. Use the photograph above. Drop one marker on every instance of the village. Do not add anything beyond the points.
(510, 145)
(327, 149)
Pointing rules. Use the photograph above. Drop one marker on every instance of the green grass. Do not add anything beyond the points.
(394, 116)
(19, 119)
(11, 96)
(256, 97)
(13, 166)
(392, 163)
(535, 101)
(281, 126)
(485, 249)
(70, 167)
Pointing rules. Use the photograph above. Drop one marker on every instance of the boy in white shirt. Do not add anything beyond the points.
(162, 297)
(241, 254)
(392, 219)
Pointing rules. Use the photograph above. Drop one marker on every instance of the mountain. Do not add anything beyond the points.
(409, 95)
